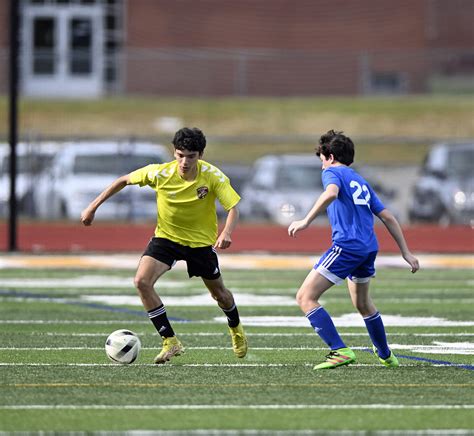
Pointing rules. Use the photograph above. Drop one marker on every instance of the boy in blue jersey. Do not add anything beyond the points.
(351, 204)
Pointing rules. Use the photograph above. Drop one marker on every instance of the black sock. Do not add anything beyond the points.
(160, 320)
(232, 315)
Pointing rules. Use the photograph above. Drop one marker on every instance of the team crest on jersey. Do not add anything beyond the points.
(202, 191)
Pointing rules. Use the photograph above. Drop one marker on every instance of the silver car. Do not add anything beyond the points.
(444, 192)
(284, 187)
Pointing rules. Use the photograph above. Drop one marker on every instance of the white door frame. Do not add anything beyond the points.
(63, 83)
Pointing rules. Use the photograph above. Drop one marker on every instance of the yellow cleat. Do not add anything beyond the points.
(239, 340)
(171, 347)
(390, 362)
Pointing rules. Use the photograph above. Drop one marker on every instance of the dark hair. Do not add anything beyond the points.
(337, 144)
(189, 139)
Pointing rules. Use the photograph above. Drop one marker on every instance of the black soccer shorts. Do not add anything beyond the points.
(200, 261)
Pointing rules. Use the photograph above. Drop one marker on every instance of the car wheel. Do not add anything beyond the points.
(63, 212)
(27, 205)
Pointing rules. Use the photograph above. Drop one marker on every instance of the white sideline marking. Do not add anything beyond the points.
(437, 347)
(216, 365)
(238, 406)
(70, 321)
(187, 348)
(153, 334)
(349, 320)
(204, 299)
(270, 321)
(240, 298)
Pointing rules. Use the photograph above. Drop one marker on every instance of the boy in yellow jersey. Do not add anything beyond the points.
(186, 230)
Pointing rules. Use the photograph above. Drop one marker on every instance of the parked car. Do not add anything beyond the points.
(282, 188)
(81, 170)
(285, 187)
(32, 160)
(239, 175)
(444, 192)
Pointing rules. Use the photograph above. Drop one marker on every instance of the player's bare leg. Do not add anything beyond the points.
(148, 272)
(307, 298)
(361, 300)
(225, 301)
(360, 297)
(311, 290)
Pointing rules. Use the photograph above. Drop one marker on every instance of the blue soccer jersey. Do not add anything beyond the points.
(352, 214)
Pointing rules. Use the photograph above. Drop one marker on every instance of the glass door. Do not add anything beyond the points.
(63, 51)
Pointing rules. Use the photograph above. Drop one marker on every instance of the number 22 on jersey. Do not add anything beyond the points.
(361, 195)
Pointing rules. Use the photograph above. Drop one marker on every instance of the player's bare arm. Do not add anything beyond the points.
(224, 240)
(392, 225)
(88, 214)
(324, 200)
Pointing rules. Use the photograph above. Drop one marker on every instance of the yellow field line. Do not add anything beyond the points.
(230, 261)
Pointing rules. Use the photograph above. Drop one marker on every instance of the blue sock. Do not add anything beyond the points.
(325, 328)
(376, 331)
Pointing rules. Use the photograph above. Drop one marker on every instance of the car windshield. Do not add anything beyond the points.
(112, 164)
(294, 177)
(460, 162)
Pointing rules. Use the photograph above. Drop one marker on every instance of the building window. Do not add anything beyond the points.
(388, 83)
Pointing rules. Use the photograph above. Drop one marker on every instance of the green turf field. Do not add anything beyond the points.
(57, 378)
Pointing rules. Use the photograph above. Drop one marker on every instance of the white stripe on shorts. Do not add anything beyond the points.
(332, 257)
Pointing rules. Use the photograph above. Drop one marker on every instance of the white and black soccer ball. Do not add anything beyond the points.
(122, 346)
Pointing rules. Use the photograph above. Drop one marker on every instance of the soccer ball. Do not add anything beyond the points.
(122, 346)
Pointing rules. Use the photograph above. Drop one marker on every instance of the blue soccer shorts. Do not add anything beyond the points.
(337, 264)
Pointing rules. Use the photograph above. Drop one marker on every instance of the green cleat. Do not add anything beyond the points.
(390, 362)
(239, 340)
(339, 357)
(171, 347)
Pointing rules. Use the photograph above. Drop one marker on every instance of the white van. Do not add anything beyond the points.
(81, 170)
(32, 160)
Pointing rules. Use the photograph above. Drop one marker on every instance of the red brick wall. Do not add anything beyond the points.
(282, 24)
(288, 47)
(450, 23)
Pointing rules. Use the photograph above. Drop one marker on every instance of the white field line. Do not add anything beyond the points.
(281, 322)
(364, 334)
(210, 365)
(76, 321)
(187, 348)
(270, 300)
(239, 406)
(436, 348)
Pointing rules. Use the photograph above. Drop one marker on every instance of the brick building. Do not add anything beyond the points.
(245, 47)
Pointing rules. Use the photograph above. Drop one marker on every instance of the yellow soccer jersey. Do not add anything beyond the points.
(187, 210)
